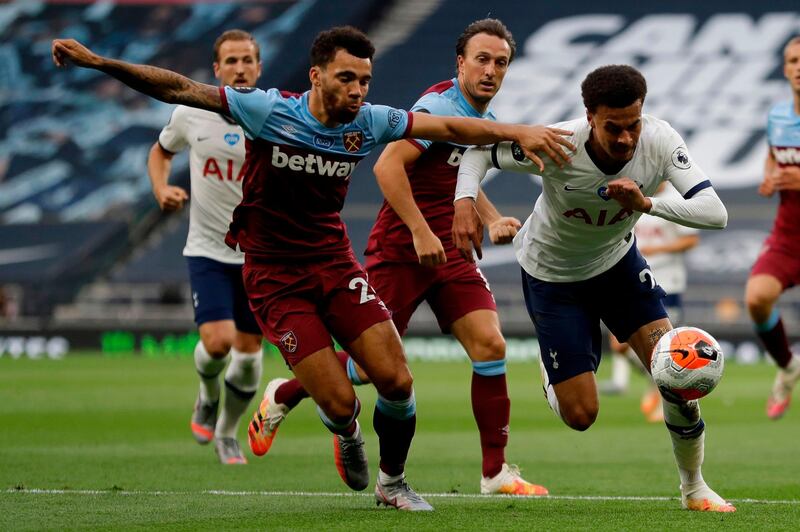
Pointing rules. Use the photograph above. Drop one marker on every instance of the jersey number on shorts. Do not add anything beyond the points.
(355, 282)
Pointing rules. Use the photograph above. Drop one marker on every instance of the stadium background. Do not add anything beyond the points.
(88, 261)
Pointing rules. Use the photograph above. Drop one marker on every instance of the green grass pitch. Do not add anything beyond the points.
(103, 443)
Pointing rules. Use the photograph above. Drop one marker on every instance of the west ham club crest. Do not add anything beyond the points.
(352, 140)
(289, 342)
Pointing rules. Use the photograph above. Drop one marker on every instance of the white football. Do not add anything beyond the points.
(687, 364)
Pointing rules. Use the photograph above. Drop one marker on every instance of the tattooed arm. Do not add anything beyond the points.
(159, 83)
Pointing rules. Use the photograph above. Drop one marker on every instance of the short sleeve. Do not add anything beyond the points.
(389, 124)
(249, 107)
(679, 168)
(173, 137)
(432, 103)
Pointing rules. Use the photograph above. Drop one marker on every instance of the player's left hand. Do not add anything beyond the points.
(467, 229)
(547, 140)
(503, 230)
(786, 178)
(628, 194)
(75, 52)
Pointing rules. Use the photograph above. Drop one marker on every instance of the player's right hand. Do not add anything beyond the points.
(170, 198)
(767, 187)
(429, 248)
(467, 229)
(64, 50)
(503, 230)
(547, 140)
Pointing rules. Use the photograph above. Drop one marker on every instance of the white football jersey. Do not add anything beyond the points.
(216, 155)
(575, 231)
(669, 269)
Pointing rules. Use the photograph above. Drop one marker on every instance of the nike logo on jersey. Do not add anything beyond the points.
(201, 139)
(570, 189)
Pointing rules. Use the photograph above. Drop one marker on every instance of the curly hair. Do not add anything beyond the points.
(613, 86)
(348, 38)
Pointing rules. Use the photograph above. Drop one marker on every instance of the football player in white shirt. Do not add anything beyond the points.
(226, 324)
(579, 262)
(664, 244)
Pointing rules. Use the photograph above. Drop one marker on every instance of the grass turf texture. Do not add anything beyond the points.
(120, 427)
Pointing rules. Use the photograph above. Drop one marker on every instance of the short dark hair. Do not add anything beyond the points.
(790, 42)
(235, 35)
(615, 86)
(347, 38)
(490, 26)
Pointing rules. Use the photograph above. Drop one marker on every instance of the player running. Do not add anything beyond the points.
(224, 319)
(411, 257)
(579, 262)
(778, 266)
(300, 273)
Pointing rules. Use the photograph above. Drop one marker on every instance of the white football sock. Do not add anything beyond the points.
(208, 368)
(688, 450)
(620, 371)
(385, 479)
(241, 384)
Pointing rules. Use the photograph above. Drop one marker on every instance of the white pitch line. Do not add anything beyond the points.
(229, 493)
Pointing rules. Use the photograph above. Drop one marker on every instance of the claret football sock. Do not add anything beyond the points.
(395, 423)
(290, 393)
(492, 409)
(773, 335)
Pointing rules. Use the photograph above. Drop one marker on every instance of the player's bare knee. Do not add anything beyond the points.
(489, 348)
(247, 343)
(758, 304)
(338, 408)
(397, 386)
(218, 346)
(579, 417)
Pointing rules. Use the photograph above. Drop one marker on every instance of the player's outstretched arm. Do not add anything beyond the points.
(159, 83)
(390, 172)
(532, 139)
(699, 206)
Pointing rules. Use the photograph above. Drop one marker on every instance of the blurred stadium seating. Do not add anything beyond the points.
(74, 143)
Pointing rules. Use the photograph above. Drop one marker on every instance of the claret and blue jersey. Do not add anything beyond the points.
(783, 135)
(297, 171)
(432, 178)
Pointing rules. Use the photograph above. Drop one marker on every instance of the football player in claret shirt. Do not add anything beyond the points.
(778, 266)
(223, 316)
(578, 255)
(300, 273)
(411, 257)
